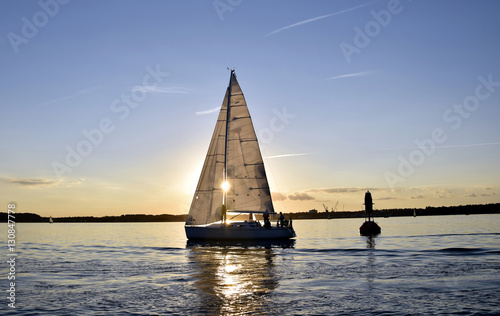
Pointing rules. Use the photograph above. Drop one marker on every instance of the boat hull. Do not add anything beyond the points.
(237, 232)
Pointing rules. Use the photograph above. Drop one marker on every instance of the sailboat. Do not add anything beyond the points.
(233, 181)
(51, 220)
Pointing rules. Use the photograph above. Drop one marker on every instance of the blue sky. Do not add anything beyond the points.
(356, 88)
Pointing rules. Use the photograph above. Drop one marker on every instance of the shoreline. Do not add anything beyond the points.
(134, 218)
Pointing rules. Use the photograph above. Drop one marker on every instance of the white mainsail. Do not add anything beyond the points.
(237, 153)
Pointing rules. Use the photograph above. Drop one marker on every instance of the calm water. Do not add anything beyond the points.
(418, 266)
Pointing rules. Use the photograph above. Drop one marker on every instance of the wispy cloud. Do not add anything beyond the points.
(40, 182)
(488, 194)
(71, 96)
(296, 196)
(417, 197)
(162, 89)
(30, 182)
(317, 18)
(354, 74)
(288, 155)
(474, 195)
(387, 198)
(443, 193)
(208, 111)
(446, 146)
(276, 196)
(344, 190)
(469, 145)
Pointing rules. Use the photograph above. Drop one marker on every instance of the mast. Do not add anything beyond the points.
(225, 183)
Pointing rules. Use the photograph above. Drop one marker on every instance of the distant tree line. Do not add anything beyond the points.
(428, 211)
(35, 218)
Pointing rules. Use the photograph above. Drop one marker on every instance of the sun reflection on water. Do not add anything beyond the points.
(232, 282)
(234, 279)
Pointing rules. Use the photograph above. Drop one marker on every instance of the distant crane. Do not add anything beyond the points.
(335, 208)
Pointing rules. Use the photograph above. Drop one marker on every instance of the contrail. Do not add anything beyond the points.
(161, 89)
(354, 74)
(469, 145)
(448, 146)
(288, 155)
(318, 18)
(208, 111)
(71, 96)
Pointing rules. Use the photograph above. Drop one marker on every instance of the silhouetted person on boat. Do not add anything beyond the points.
(267, 223)
(280, 220)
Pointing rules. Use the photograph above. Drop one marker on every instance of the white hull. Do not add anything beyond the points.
(237, 231)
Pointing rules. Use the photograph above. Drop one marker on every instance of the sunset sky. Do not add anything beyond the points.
(108, 107)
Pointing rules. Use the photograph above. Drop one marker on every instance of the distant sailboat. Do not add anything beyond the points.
(50, 220)
(233, 180)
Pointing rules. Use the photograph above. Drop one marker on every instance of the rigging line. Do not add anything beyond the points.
(269, 170)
